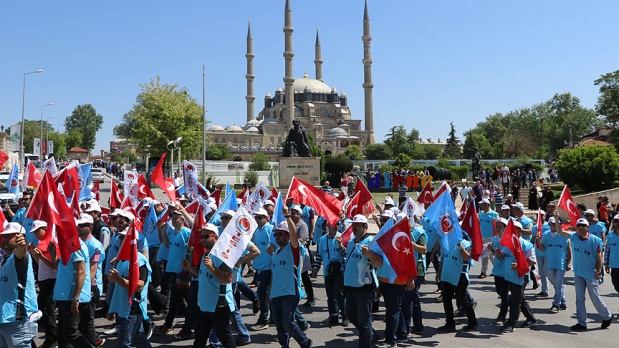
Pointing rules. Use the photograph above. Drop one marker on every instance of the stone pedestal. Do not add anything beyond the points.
(304, 168)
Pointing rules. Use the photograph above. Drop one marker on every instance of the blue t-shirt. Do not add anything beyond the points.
(211, 289)
(454, 265)
(556, 250)
(431, 235)
(598, 229)
(120, 297)
(527, 223)
(545, 229)
(65, 281)
(96, 248)
(262, 238)
(164, 251)
(612, 245)
(178, 245)
(359, 272)
(328, 248)
(584, 255)
(498, 270)
(319, 229)
(9, 290)
(20, 216)
(112, 252)
(485, 223)
(511, 275)
(286, 276)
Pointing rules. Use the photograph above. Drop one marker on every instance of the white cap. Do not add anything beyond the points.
(589, 211)
(116, 212)
(183, 198)
(551, 220)
(268, 202)
(283, 226)
(93, 207)
(389, 200)
(262, 212)
(84, 219)
(38, 224)
(212, 205)
(395, 210)
(210, 200)
(227, 212)
(210, 227)
(505, 207)
(517, 224)
(503, 221)
(297, 208)
(13, 227)
(518, 206)
(509, 195)
(400, 216)
(484, 201)
(127, 214)
(360, 218)
(387, 214)
(582, 221)
(616, 217)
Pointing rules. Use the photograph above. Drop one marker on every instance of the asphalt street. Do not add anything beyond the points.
(552, 330)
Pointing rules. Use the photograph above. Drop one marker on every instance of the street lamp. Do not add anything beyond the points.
(23, 105)
(178, 140)
(170, 143)
(47, 136)
(41, 135)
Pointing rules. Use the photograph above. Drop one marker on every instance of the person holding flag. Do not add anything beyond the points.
(100, 229)
(20, 215)
(498, 271)
(486, 218)
(411, 299)
(262, 238)
(360, 281)
(588, 261)
(130, 310)
(559, 259)
(18, 327)
(539, 229)
(518, 255)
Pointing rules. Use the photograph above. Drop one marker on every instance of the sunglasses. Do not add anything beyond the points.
(202, 236)
(259, 217)
(581, 225)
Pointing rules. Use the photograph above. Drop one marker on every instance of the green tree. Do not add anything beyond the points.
(608, 103)
(252, 177)
(377, 152)
(403, 160)
(33, 130)
(60, 146)
(398, 141)
(354, 152)
(260, 161)
(217, 152)
(591, 168)
(73, 139)
(474, 140)
(85, 120)
(452, 149)
(162, 113)
(335, 166)
(427, 152)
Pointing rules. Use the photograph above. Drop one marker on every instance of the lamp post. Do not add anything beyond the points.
(41, 136)
(171, 142)
(178, 140)
(23, 105)
(47, 136)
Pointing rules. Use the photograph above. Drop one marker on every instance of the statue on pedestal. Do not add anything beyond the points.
(297, 144)
(476, 165)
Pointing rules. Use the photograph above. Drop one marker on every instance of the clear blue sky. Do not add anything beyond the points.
(434, 61)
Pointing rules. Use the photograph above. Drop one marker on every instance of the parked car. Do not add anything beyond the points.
(9, 198)
(97, 175)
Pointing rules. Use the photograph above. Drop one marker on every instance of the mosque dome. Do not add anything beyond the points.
(337, 132)
(234, 129)
(312, 85)
(269, 120)
(215, 128)
(252, 123)
(252, 130)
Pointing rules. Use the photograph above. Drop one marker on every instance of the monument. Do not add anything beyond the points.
(297, 159)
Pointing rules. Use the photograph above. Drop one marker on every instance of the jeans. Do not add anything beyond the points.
(176, 297)
(19, 334)
(411, 308)
(592, 287)
(237, 321)
(217, 320)
(244, 289)
(359, 311)
(129, 329)
(264, 281)
(392, 294)
(191, 312)
(335, 295)
(518, 303)
(283, 314)
(542, 269)
(502, 289)
(556, 279)
(459, 291)
(68, 324)
(48, 306)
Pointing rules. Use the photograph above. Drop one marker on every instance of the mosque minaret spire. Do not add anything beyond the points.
(367, 77)
(289, 76)
(318, 60)
(250, 75)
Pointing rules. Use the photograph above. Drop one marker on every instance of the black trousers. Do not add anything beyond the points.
(518, 303)
(218, 320)
(449, 290)
(614, 275)
(74, 329)
(47, 305)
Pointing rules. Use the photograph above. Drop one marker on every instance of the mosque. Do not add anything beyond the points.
(320, 109)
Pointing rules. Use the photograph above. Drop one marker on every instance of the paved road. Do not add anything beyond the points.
(552, 329)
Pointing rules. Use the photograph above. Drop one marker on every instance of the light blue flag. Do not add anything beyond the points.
(181, 190)
(278, 213)
(444, 219)
(229, 189)
(386, 271)
(150, 227)
(13, 181)
(229, 203)
(83, 172)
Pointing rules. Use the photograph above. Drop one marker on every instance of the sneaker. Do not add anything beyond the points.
(250, 273)
(111, 331)
(256, 307)
(259, 327)
(271, 322)
(375, 337)
(482, 275)
(542, 294)
(474, 304)
(469, 328)
(163, 330)
(606, 323)
(308, 344)
(49, 343)
(402, 339)
(554, 309)
(306, 327)
(345, 322)
(330, 321)
(150, 329)
(240, 343)
(459, 313)
(417, 331)
(528, 323)
(563, 307)
(100, 342)
(447, 328)
(500, 320)
(578, 327)
(386, 345)
(184, 335)
(158, 316)
(439, 299)
(507, 329)
(309, 303)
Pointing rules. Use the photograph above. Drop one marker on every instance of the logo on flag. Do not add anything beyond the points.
(243, 225)
(447, 224)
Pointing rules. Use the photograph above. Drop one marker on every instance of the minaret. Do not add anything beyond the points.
(289, 77)
(250, 75)
(367, 76)
(318, 60)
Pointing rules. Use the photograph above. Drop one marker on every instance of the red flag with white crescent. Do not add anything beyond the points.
(129, 252)
(470, 224)
(511, 241)
(425, 196)
(397, 246)
(566, 202)
(143, 188)
(346, 236)
(96, 191)
(194, 238)
(365, 202)
(540, 223)
(323, 203)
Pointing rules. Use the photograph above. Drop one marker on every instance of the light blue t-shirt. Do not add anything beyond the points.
(556, 250)
(65, 281)
(178, 245)
(164, 251)
(120, 297)
(511, 275)
(527, 223)
(96, 248)
(262, 238)
(454, 265)
(431, 235)
(286, 275)
(498, 270)
(319, 229)
(359, 272)
(545, 229)
(211, 289)
(598, 229)
(485, 223)
(20, 216)
(584, 255)
(112, 252)
(328, 248)
(9, 290)
(612, 243)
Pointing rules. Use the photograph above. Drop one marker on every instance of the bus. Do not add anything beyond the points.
(32, 157)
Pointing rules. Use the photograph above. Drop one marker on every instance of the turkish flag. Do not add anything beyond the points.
(129, 252)
(347, 236)
(216, 195)
(96, 191)
(157, 175)
(2, 221)
(69, 179)
(3, 158)
(75, 205)
(274, 192)
(242, 194)
(323, 203)
(342, 196)
(540, 223)
(353, 208)
(397, 246)
(105, 215)
(143, 188)
(34, 176)
(494, 232)
(463, 208)
(511, 241)
(116, 199)
(365, 199)
(425, 196)
(566, 202)
(444, 187)
(470, 224)
(168, 188)
(194, 239)
(192, 208)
